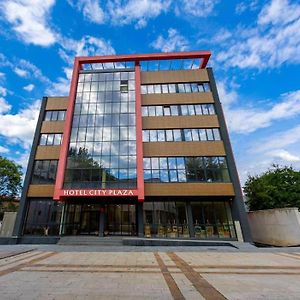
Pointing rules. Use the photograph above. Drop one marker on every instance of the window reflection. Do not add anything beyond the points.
(103, 140)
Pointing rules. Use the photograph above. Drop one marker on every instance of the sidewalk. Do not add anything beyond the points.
(56, 272)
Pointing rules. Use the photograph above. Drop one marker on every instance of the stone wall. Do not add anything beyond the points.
(276, 227)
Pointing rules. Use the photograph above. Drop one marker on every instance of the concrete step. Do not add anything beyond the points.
(90, 240)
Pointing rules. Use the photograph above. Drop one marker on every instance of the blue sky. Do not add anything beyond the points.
(255, 55)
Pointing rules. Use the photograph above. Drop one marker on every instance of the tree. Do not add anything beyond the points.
(10, 182)
(276, 188)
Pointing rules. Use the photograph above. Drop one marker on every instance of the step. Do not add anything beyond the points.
(90, 240)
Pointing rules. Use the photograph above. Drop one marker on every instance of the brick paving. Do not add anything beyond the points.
(156, 274)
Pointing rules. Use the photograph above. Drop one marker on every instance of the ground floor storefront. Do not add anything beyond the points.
(162, 217)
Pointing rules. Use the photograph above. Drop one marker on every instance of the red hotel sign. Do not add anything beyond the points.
(98, 193)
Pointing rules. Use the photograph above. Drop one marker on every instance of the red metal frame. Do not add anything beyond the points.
(139, 133)
(136, 58)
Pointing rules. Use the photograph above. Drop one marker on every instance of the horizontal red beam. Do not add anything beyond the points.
(204, 55)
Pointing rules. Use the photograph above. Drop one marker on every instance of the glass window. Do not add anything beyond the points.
(195, 134)
(187, 135)
(151, 111)
(54, 115)
(43, 139)
(153, 136)
(194, 87)
(165, 89)
(177, 135)
(160, 135)
(145, 111)
(202, 134)
(150, 89)
(217, 136)
(174, 110)
(172, 88)
(57, 139)
(48, 115)
(198, 109)
(211, 109)
(143, 89)
(206, 87)
(167, 111)
(146, 136)
(200, 87)
(50, 139)
(169, 135)
(187, 87)
(209, 133)
(157, 89)
(191, 110)
(61, 115)
(159, 111)
(184, 110)
(181, 88)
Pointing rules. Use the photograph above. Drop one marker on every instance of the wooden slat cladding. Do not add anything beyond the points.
(40, 190)
(57, 103)
(195, 75)
(170, 122)
(189, 189)
(52, 127)
(180, 98)
(215, 148)
(47, 152)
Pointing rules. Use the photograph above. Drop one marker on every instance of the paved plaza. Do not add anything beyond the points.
(58, 272)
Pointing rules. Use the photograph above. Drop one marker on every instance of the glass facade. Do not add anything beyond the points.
(166, 88)
(210, 220)
(186, 169)
(83, 219)
(102, 151)
(181, 135)
(43, 217)
(178, 110)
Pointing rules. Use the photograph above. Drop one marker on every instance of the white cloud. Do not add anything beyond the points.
(241, 7)
(91, 10)
(286, 107)
(174, 41)
(29, 87)
(197, 8)
(4, 106)
(29, 19)
(280, 140)
(21, 125)
(274, 40)
(135, 11)
(86, 46)
(21, 73)
(3, 149)
(3, 91)
(284, 155)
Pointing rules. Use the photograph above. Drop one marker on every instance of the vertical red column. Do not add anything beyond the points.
(67, 132)
(139, 133)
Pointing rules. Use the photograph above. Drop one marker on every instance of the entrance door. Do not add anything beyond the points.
(120, 219)
(89, 223)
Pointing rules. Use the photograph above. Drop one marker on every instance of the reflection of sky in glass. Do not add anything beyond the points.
(104, 127)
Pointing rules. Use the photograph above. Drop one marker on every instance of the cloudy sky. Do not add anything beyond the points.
(255, 55)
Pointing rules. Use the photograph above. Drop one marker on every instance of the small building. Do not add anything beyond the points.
(138, 148)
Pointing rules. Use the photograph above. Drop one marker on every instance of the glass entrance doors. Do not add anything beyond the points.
(90, 216)
(85, 219)
(120, 219)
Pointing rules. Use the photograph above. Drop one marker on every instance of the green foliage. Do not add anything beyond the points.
(10, 179)
(276, 188)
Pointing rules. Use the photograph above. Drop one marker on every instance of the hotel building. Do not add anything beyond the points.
(138, 148)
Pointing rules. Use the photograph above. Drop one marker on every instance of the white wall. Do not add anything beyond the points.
(8, 224)
(277, 227)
